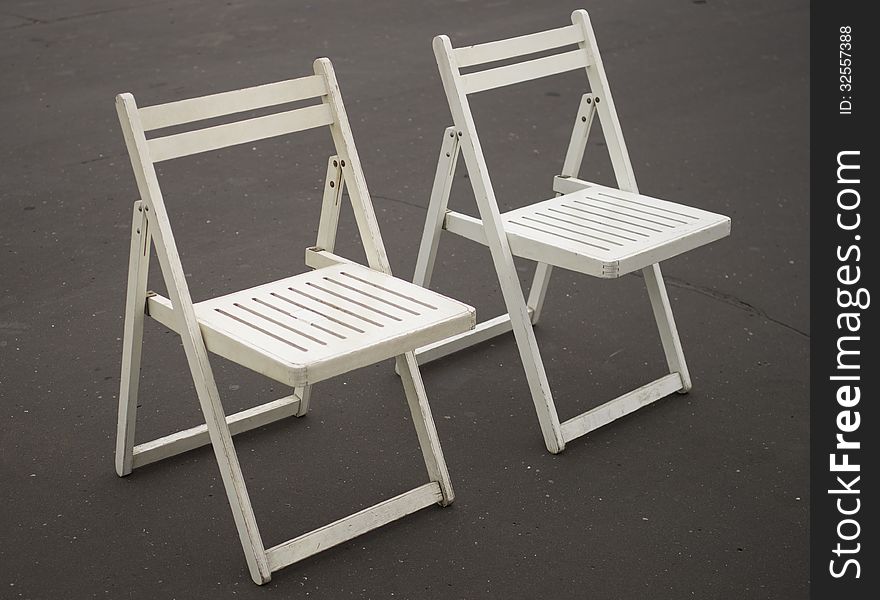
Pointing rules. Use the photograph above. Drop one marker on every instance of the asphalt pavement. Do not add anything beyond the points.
(697, 496)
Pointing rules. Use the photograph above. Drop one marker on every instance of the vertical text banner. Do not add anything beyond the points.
(844, 432)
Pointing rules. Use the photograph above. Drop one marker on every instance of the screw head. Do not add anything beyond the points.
(597, 101)
(589, 100)
(335, 163)
(342, 163)
(332, 184)
(584, 119)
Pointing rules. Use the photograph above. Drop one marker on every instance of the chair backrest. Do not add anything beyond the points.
(144, 153)
(586, 56)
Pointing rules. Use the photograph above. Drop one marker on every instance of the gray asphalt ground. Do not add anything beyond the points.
(703, 496)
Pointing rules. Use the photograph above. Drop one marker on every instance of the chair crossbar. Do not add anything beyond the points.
(227, 103)
(487, 330)
(621, 406)
(350, 527)
(524, 71)
(467, 56)
(196, 437)
(240, 132)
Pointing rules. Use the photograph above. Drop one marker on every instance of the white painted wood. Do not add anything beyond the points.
(316, 258)
(595, 238)
(443, 179)
(571, 166)
(567, 185)
(297, 330)
(352, 526)
(196, 437)
(304, 395)
(138, 266)
(309, 327)
(484, 331)
(592, 229)
(227, 103)
(365, 217)
(666, 325)
(467, 56)
(524, 71)
(623, 171)
(194, 347)
(417, 399)
(330, 205)
(620, 406)
(498, 246)
(240, 132)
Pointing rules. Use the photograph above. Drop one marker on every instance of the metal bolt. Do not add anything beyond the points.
(451, 134)
(447, 155)
(335, 163)
(589, 100)
(459, 134)
(584, 119)
(332, 184)
(597, 101)
(343, 163)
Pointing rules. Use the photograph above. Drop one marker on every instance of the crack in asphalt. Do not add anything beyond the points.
(675, 282)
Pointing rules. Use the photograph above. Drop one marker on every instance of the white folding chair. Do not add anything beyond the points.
(299, 330)
(587, 228)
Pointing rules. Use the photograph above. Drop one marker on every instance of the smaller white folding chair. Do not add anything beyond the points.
(587, 228)
(298, 330)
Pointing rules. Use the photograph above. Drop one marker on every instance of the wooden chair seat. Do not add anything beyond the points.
(600, 231)
(309, 327)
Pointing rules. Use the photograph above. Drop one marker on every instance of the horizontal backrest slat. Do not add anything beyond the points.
(467, 56)
(227, 103)
(524, 71)
(240, 132)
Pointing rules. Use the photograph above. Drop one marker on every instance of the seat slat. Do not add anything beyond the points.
(524, 71)
(467, 56)
(227, 103)
(240, 132)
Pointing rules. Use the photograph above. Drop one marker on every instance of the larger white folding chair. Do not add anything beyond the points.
(298, 330)
(587, 228)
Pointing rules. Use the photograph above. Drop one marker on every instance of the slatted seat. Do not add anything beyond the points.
(588, 228)
(306, 328)
(600, 231)
(298, 330)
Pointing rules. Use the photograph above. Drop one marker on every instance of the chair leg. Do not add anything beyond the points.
(443, 177)
(536, 377)
(538, 291)
(423, 420)
(666, 325)
(304, 394)
(230, 472)
(136, 295)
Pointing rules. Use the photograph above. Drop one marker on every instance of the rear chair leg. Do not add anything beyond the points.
(304, 394)
(443, 178)
(424, 424)
(666, 325)
(136, 296)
